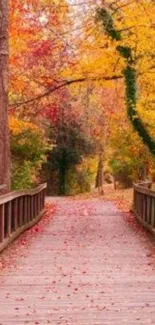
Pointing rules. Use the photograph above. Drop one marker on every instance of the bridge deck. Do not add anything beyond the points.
(88, 266)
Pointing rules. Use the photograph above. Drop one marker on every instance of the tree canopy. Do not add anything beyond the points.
(93, 61)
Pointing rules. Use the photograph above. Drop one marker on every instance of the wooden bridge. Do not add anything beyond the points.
(89, 265)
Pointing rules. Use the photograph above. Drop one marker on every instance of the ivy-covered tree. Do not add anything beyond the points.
(130, 76)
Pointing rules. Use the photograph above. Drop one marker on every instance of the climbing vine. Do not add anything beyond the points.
(130, 76)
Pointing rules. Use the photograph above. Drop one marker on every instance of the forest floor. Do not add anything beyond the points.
(123, 198)
(86, 263)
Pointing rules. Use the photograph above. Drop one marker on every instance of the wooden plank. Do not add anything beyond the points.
(39, 206)
(15, 214)
(81, 270)
(29, 208)
(145, 204)
(25, 209)
(153, 213)
(21, 208)
(43, 197)
(143, 216)
(32, 209)
(144, 190)
(42, 200)
(148, 210)
(13, 195)
(19, 231)
(21, 212)
(9, 210)
(34, 206)
(1, 223)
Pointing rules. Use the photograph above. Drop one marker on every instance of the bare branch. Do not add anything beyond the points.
(62, 85)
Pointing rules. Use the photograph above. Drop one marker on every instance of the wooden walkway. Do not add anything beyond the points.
(88, 267)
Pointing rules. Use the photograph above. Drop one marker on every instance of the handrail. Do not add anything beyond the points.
(20, 210)
(144, 205)
(15, 194)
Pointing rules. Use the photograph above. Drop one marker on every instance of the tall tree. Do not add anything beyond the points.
(4, 134)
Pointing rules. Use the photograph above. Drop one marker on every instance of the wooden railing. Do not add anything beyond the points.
(20, 210)
(144, 205)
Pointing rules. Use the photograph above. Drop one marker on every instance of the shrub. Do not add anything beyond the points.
(28, 149)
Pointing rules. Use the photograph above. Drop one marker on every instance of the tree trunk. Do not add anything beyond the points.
(62, 174)
(4, 132)
(100, 175)
(143, 175)
(115, 183)
(62, 180)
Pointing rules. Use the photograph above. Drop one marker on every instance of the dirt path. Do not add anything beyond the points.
(88, 267)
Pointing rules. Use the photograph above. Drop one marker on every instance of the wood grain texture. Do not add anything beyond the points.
(4, 130)
(144, 206)
(18, 210)
(19, 231)
(15, 194)
(88, 267)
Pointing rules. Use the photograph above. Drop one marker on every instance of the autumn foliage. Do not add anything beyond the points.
(69, 82)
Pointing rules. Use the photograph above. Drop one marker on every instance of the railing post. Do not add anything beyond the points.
(1, 223)
(143, 209)
(144, 204)
(31, 198)
(149, 209)
(43, 198)
(38, 203)
(9, 210)
(153, 212)
(25, 209)
(15, 213)
(35, 203)
(40, 200)
(21, 212)
(28, 209)
(134, 198)
(33, 207)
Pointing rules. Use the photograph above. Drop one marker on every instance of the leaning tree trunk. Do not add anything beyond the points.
(4, 133)
(62, 174)
(100, 175)
(62, 180)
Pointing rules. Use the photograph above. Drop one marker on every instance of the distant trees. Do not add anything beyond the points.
(71, 145)
(50, 50)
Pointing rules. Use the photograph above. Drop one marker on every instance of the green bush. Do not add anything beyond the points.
(28, 149)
